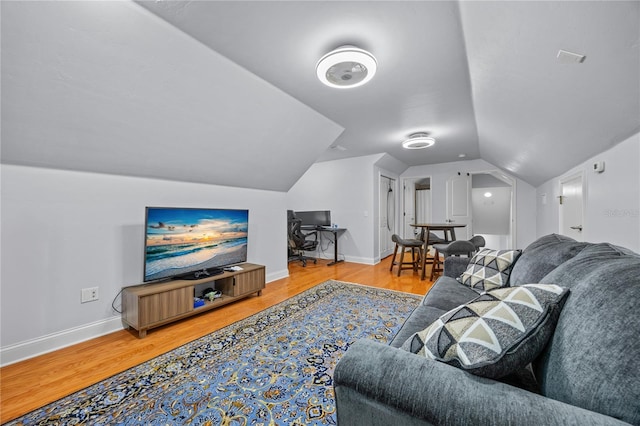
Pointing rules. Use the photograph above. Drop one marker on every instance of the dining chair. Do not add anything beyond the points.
(406, 244)
(454, 248)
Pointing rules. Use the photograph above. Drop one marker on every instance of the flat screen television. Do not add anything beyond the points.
(314, 218)
(190, 243)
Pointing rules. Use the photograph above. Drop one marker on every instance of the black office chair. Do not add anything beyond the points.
(299, 242)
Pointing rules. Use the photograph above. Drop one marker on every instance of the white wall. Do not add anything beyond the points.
(349, 189)
(525, 194)
(491, 215)
(611, 199)
(63, 231)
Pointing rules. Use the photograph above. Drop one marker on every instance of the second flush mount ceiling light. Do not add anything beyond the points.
(418, 141)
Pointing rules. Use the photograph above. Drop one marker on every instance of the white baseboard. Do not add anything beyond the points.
(354, 259)
(51, 342)
(277, 275)
(364, 260)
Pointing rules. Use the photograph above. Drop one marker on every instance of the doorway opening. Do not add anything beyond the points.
(493, 208)
(387, 215)
(417, 204)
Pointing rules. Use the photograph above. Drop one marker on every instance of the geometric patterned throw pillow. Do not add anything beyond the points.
(499, 332)
(489, 269)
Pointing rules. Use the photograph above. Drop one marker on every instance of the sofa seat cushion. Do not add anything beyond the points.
(499, 332)
(445, 294)
(542, 256)
(422, 316)
(489, 269)
(592, 359)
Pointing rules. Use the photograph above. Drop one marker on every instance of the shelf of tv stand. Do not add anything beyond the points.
(147, 306)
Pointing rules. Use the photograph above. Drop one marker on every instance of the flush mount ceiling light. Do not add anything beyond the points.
(346, 67)
(418, 141)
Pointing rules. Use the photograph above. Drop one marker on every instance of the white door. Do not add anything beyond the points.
(571, 219)
(459, 204)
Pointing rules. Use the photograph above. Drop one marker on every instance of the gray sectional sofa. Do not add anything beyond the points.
(587, 373)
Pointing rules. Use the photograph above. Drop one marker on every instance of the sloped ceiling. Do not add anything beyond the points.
(422, 83)
(225, 92)
(107, 87)
(538, 117)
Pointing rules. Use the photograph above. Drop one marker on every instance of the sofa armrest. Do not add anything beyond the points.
(409, 386)
(454, 266)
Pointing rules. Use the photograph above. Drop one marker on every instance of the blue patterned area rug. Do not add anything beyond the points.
(273, 368)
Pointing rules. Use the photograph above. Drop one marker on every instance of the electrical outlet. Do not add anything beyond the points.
(89, 294)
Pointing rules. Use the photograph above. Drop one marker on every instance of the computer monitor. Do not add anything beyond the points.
(315, 218)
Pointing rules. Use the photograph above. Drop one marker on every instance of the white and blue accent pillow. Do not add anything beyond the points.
(489, 269)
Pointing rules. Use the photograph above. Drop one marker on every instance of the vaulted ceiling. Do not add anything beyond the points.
(225, 92)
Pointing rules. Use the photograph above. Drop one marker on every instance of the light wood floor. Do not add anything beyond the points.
(30, 384)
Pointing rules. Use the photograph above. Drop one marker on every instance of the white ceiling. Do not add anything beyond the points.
(226, 93)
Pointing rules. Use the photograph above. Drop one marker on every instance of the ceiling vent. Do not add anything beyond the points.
(566, 57)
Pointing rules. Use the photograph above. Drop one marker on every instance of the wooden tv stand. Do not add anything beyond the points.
(151, 305)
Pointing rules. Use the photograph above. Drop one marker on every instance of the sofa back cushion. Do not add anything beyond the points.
(543, 256)
(592, 359)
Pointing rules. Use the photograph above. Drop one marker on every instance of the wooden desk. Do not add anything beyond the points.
(449, 230)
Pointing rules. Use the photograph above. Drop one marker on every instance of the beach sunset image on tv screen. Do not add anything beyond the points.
(179, 241)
